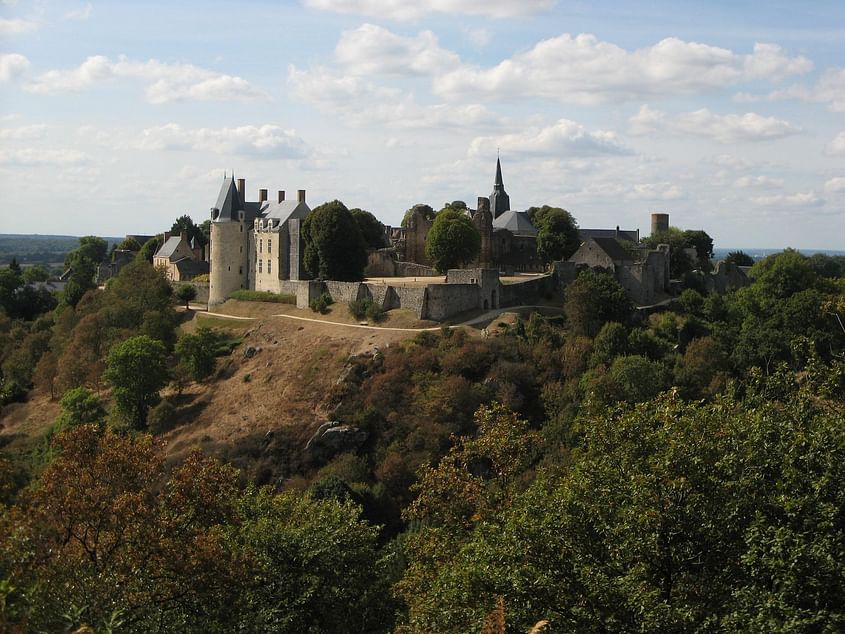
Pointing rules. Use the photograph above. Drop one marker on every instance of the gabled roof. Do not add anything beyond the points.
(614, 250)
(188, 267)
(285, 210)
(631, 235)
(517, 222)
(168, 248)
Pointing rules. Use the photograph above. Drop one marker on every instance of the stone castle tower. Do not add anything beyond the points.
(254, 245)
(229, 246)
(500, 202)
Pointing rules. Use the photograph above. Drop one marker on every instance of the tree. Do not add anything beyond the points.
(557, 233)
(33, 274)
(703, 245)
(371, 228)
(593, 299)
(185, 224)
(150, 247)
(186, 293)
(679, 262)
(334, 246)
(82, 263)
(739, 258)
(129, 244)
(453, 240)
(136, 370)
(80, 407)
(196, 352)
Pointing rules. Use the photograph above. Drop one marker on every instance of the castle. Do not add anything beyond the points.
(254, 245)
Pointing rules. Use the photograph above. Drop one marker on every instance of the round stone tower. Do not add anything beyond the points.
(659, 223)
(228, 260)
(229, 256)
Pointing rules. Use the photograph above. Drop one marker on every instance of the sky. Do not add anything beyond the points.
(117, 117)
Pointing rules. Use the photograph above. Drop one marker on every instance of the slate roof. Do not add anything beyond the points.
(228, 201)
(631, 235)
(189, 268)
(614, 250)
(517, 222)
(168, 248)
(284, 210)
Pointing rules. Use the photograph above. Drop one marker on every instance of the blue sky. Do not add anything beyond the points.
(117, 117)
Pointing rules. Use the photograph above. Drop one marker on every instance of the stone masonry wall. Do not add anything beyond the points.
(446, 300)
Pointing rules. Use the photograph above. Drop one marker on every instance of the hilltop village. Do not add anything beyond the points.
(258, 245)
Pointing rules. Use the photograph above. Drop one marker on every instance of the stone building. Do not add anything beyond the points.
(254, 245)
(181, 259)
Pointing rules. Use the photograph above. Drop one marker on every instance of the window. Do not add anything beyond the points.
(259, 265)
(240, 270)
(269, 245)
(260, 246)
(269, 263)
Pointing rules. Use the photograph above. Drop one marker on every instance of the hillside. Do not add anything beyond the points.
(284, 384)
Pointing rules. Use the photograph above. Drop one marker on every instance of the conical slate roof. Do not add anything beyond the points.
(228, 201)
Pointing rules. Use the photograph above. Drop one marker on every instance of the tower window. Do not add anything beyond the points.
(269, 266)
(269, 245)
(260, 246)
(259, 265)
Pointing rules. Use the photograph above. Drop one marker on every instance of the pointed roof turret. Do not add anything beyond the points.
(500, 202)
(228, 201)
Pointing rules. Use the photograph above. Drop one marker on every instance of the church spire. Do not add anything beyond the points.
(500, 202)
(498, 184)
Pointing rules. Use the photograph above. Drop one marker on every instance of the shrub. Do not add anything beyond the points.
(264, 296)
(162, 418)
(366, 308)
(322, 303)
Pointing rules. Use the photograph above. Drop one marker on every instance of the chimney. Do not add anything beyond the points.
(166, 236)
(281, 195)
(262, 195)
(617, 232)
(302, 195)
(483, 204)
(183, 236)
(241, 187)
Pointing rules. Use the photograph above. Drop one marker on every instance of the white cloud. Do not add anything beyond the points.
(798, 199)
(837, 146)
(371, 49)
(655, 191)
(729, 128)
(12, 65)
(14, 26)
(829, 89)
(32, 156)
(563, 138)
(415, 9)
(757, 182)
(266, 141)
(835, 185)
(359, 102)
(170, 82)
(82, 13)
(23, 133)
(586, 70)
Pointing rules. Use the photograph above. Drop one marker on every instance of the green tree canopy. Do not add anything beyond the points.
(334, 246)
(82, 263)
(186, 293)
(557, 232)
(196, 352)
(371, 228)
(186, 224)
(453, 241)
(679, 262)
(80, 407)
(593, 299)
(150, 247)
(739, 258)
(136, 369)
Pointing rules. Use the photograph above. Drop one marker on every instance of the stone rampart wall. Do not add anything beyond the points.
(446, 300)
(527, 292)
(410, 269)
(344, 292)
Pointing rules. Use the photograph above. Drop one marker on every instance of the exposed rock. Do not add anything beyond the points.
(250, 351)
(334, 437)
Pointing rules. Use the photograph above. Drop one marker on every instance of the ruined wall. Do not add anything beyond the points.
(527, 292)
(726, 277)
(415, 235)
(381, 263)
(592, 255)
(445, 300)
(345, 292)
(412, 269)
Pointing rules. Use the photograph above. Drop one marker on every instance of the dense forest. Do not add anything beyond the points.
(595, 471)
